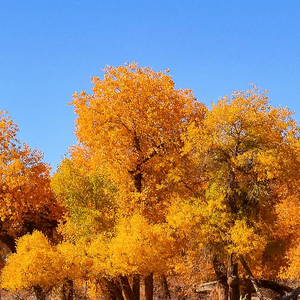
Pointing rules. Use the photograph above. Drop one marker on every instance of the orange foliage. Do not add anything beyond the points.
(131, 127)
(27, 200)
(156, 184)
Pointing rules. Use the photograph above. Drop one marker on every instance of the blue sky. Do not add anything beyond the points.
(50, 49)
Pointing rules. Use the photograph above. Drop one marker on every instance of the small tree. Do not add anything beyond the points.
(27, 201)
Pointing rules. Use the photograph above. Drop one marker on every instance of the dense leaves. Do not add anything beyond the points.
(131, 127)
(157, 184)
(26, 198)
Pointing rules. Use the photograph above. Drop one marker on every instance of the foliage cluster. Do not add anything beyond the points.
(157, 185)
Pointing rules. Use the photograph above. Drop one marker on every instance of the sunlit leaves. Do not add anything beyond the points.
(25, 193)
(31, 264)
(245, 241)
(141, 247)
(157, 183)
(38, 262)
(246, 153)
(131, 127)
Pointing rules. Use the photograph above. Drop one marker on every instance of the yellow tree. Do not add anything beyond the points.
(246, 152)
(41, 265)
(131, 128)
(90, 199)
(26, 198)
(116, 247)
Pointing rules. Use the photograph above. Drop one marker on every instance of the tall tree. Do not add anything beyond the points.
(247, 153)
(131, 127)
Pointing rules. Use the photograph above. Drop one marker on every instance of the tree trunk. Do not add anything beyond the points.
(149, 287)
(136, 287)
(252, 278)
(164, 288)
(39, 293)
(86, 291)
(114, 289)
(9, 242)
(129, 295)
(292, 294)
(221, 275)
(68, 289)
(233, 280)
(279, 288)
(246, 289)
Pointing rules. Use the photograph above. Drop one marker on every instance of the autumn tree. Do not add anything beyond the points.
(246, 151)
(41, 265)
(89, 197)
(131, 128)
(157, 184)
(27, 201)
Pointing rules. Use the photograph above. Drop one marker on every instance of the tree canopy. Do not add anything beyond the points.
(157, 186)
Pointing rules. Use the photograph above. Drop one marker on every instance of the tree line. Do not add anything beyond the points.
(158, 185)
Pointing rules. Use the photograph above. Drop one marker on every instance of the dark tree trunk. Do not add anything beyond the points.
(114, 289)
(9, 242)
(138, 181)
(246, 289)
(221, 275)
(136, 287)
(233, 280)
(252, 278)
(129, 295)
(164, 288)
(149, 287)
(292, 294)
(86, 291)
(279, 288)
(39, 293)
(68, 289)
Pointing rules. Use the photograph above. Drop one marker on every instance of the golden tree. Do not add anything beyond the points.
(131, 128)
(247, 154)
(39, 264)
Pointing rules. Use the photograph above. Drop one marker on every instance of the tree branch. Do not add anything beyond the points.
(292, 294)
(252, 278)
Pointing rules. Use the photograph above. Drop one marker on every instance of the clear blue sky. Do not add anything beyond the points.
(51, 48)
